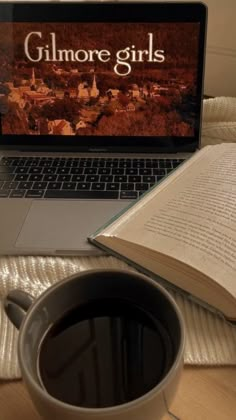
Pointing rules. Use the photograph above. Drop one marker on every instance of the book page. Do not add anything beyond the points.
(193, 219)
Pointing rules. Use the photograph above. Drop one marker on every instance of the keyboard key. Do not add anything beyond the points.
(83, 186)
(85, 163)
(125, 163)
(69, 185)
(25, 185)
(98, 186)
(90, 171)
(145, 171)
(54, 185)
(36, 177)
(148, 178)
(141, 186)
(111, 164)
(82, 194)
(31, 162)
(50, 178)
(130, 195)
(39, 185)
(34, 170)
(17, 194)
(4, 193)
(50, 170)
(165, 163)
(18, 162)
(21, 170)
(134, 178)
(77, 171)
(106, 178)
(59, 163)
(113, 186)
(152, 164)
(138, 163)
(78, 178)
(98, 163)
(34, 194)
(22, 177)
(92, 178)
(118, 171)
(72, 163)
(131, 171)
(64, 178)
(161, 172)
(46, 163)
(10, 185)
(128, 186)
(121, 178)
(104, 171)
(61, 171)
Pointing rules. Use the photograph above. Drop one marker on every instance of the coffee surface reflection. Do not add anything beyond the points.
(104, 353)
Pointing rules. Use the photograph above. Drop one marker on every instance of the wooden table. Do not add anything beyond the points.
(204, 394)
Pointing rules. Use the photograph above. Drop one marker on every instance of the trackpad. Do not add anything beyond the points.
(56, 225)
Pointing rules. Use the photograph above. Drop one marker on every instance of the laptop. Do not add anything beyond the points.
(98, 102)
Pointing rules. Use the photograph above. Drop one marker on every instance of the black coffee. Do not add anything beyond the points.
(104, 353)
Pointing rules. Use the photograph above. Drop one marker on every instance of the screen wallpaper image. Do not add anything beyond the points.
(98, 79)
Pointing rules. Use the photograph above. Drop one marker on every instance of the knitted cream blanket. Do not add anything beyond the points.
(210, 340)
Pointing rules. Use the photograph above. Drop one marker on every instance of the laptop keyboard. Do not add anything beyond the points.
(86, 178)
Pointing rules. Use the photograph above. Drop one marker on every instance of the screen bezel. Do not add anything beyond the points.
(110, 12)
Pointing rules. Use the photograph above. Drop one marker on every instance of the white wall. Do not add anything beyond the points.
(221, 48)
(220, 73)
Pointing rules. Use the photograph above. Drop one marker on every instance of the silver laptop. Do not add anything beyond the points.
(98, 102)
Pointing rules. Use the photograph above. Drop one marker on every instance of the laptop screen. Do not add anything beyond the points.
(102, 75)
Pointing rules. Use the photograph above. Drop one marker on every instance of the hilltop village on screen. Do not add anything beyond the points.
(97, 79)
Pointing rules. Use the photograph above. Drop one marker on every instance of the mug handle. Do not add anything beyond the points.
(16, 304)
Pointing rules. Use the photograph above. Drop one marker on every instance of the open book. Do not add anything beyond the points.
(184, 229)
